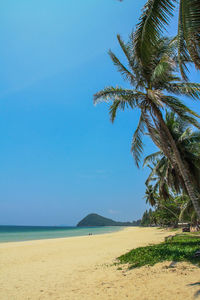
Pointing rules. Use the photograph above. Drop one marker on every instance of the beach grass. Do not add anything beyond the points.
(181, 247)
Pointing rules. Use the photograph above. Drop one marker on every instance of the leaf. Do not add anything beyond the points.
(151, 158)
(155, 16)
(137, 144)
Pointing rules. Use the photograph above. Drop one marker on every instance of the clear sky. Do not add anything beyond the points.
(60, 157)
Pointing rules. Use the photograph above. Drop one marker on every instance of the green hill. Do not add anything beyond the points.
(97, 220)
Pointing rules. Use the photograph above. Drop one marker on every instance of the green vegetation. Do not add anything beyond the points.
(97, 220)
(166, 215)
(153, 80)
(156, 71)
(152, 70)
(147, 218)
(165, 189)
(163, 174)
(179, 248)
(156, 15)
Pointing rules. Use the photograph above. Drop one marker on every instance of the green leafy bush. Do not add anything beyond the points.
(179, 248)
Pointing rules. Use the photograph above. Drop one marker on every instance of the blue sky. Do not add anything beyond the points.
(60, 157)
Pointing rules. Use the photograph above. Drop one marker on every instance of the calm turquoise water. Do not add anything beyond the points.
(26, 233)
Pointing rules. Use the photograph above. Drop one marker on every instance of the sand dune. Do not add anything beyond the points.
(81, 268)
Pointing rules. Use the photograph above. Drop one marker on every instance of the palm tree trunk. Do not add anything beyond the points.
(164, 146)
(182, 165)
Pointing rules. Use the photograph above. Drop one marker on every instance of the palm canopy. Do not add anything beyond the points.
(150, 195)
(163, 175)
(156, 15)
(154, 86)
(165, 181)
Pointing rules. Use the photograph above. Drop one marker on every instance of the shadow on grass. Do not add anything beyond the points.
(180, 248)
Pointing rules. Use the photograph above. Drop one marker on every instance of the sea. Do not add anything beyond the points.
(28, 233)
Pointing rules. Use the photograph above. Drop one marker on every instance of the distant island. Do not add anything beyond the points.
(97, 220)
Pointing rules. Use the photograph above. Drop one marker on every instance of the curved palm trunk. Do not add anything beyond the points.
(182, 165)
(165, 146)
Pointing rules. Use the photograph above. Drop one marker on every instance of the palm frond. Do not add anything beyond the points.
(185, 135)
(160, 72)
(155, 16)
(189, 89)
(156, 170)
(112, 93)
(151, 158)
(188, 118)
(121, 68)
(128, 51)
(191, 25)
(183, 54)
(181, 110)
(195, 138)
(137, 143)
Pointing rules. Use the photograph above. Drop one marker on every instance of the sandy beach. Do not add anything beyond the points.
(81, 268)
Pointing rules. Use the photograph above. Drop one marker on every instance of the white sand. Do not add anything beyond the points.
(80, 268)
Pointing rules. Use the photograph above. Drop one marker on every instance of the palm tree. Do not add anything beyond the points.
(187, 211)
(167, 212)
(176, 207)
(156, 15)
(161, 176)
(150, 82)
(164, 177)
(164, 197)
(163, 173)
(150, 195)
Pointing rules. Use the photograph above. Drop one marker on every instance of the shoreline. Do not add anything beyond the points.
(82, 267)
(68, 237)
